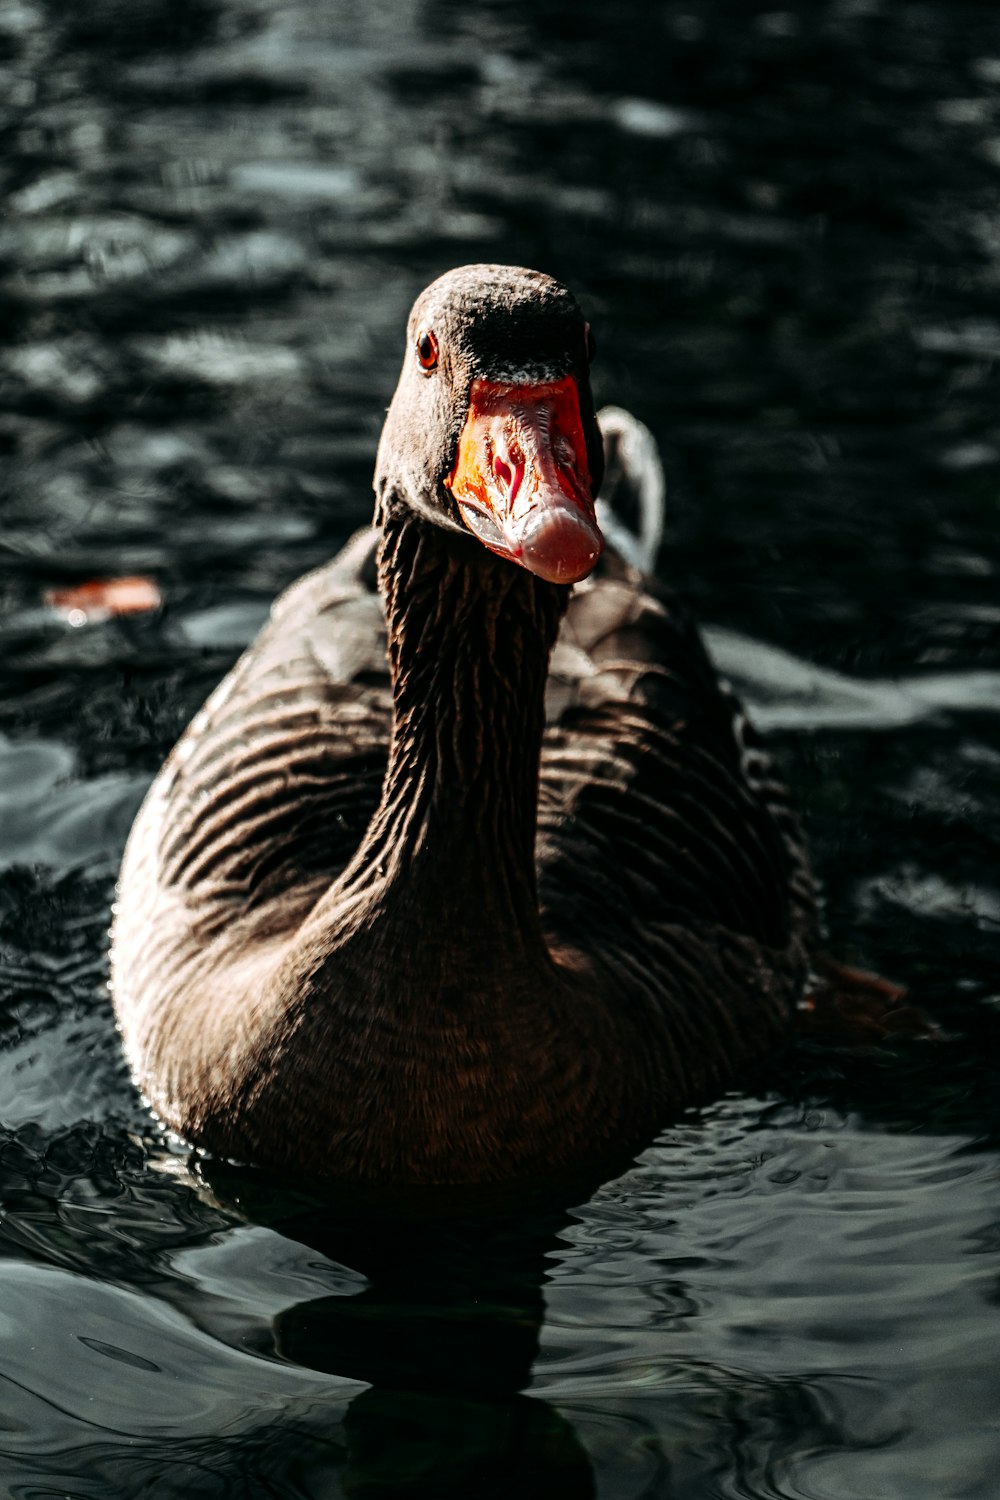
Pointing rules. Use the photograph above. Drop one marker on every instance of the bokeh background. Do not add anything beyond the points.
(784, 226)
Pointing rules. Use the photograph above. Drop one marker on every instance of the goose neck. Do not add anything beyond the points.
(469, 640)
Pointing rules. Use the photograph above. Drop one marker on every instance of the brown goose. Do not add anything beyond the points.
(389, 913)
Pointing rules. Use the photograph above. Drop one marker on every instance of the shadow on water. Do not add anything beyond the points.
(429, 1340)
(444, 1334)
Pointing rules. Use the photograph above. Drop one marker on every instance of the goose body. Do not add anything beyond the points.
(462, 875)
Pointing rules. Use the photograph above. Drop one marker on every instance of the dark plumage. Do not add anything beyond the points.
(401, 925)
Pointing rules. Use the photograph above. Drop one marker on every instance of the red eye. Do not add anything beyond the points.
(591, 343)
(427, 349)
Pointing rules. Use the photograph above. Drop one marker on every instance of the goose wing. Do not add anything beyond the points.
(657, 804)
(655, 800)
(275, 781)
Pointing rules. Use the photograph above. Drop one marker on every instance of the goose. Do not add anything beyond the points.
(470, 870)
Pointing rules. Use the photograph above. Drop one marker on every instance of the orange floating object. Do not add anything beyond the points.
(103, 599)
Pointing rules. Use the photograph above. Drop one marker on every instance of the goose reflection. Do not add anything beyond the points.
(444, 1335)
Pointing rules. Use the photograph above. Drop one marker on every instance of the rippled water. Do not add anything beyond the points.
(784, 225)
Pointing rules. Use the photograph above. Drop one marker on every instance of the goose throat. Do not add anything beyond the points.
(469, 641)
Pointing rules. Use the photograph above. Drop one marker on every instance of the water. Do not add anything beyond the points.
(784, 226)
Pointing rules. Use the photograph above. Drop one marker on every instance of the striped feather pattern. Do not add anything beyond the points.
(665, 847)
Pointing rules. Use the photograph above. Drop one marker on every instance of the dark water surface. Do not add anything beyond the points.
(785, 225)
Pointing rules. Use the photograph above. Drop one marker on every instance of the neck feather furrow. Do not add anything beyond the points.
(469, 641)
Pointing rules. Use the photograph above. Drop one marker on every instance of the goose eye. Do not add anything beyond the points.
(591, 343)
(427, 349)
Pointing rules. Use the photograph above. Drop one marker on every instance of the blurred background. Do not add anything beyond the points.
(783, 224)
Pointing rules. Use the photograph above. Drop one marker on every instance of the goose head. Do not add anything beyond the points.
(491, 432)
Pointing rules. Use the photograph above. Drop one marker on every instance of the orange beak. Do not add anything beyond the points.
(521, 478)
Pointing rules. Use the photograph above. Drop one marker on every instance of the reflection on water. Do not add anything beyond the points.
(783, 223)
